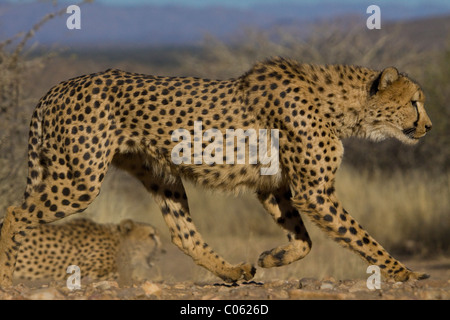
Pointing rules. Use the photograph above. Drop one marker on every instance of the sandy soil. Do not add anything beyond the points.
(436, 287)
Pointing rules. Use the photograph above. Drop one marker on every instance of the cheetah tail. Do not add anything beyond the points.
(35, 151)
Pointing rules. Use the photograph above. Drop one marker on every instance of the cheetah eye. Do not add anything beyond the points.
(414, 104)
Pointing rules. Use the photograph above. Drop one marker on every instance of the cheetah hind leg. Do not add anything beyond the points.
(172, 199)
(174, 206)
(278, 204)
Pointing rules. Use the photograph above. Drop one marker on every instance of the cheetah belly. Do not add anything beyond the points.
(227, 177)
(234, 178)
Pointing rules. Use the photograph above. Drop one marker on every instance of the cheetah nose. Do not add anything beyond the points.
(428, 127)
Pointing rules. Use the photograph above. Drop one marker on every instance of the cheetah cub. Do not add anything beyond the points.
(101, 251)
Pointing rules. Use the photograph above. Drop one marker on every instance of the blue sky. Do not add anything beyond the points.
(189, 25)
(248, 3)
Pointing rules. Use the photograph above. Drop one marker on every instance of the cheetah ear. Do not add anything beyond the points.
(126, 226)
(383, 80)
(387, 77)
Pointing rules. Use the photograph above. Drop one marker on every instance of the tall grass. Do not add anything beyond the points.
(408, 212)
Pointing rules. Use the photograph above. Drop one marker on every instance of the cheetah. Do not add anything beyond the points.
(99, 250)
(84, 125)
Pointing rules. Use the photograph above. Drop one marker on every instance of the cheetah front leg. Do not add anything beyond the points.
(279, 205)
(323, 207)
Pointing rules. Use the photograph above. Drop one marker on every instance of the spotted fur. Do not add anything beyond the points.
(85, 124)
(97, 249)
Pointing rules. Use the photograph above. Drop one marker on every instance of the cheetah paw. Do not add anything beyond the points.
(417, 276)
(411, 275)
(243, 270)
(248, 270)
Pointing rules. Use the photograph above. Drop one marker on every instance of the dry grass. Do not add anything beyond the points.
(407, 212)
(326, 43)
(17, 65)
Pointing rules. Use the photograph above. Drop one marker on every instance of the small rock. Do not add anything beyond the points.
(105, 285)
(326, 286)
(179, 286)
(45, 294)
(309, 283)
(151, 289)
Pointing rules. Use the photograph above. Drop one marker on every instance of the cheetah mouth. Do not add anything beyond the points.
(410, 133)
(150, 260)
(407, 136)
(154, 256)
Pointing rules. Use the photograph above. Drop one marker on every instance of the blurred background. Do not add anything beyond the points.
(400, 194)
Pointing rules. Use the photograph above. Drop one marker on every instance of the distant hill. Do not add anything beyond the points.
(173, 25)
(428, 33)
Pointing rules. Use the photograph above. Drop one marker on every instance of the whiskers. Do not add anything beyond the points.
(410, 132)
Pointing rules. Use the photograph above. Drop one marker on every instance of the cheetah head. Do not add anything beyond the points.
(396, 108)
(142, 239)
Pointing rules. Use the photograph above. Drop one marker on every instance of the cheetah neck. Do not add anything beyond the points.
(336, 94)
(341, 93)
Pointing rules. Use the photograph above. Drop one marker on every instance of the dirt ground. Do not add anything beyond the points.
(167, 287)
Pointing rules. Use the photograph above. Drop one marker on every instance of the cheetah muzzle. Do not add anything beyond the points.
(86, 124)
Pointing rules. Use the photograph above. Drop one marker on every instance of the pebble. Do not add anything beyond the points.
(151, 289)
(310, 283)
(327, 286)
(105, 285)
(179, 286)
(44, 294)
